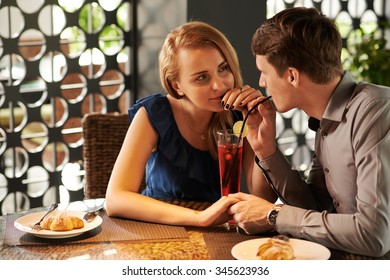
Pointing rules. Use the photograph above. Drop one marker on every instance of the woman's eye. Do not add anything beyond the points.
(202, 77)
(225, 68)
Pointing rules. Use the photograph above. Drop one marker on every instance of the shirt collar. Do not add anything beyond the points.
(337, 103)
(340, 98)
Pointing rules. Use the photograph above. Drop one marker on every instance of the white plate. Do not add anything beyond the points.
(303, 250)
(23, 224)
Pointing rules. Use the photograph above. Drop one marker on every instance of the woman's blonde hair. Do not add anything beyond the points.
(195, 34)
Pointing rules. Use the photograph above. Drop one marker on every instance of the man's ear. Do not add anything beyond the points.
(293, 76)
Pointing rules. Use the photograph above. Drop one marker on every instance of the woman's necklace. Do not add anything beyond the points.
(202, 134)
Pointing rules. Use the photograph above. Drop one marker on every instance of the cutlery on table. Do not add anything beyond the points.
(91, 215)
(37, 225)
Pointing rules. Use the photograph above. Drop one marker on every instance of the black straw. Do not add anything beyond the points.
(247, 115)
(228, 174)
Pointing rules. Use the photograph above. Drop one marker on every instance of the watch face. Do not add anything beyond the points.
(272, 216)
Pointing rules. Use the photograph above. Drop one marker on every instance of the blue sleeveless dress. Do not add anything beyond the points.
(176, 170)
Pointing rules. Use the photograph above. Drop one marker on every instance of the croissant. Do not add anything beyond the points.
(62, 222)
(45, 224)
(77, 222)
(276, 248)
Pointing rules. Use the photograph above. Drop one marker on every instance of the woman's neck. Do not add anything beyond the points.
(192, 124)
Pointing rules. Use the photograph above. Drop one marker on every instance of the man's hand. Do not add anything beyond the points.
(262, 128)
(251, 212)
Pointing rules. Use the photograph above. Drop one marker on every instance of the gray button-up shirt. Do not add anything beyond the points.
(345, 202)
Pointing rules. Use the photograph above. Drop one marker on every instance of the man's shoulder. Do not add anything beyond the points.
(368, 93)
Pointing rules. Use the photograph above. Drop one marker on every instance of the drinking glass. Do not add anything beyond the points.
(230, 164)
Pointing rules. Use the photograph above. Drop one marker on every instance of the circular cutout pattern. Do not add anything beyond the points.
(15, 162)
(13, 69)
(35, 136)
(73, 41)
(11, 22)
(92, 18)
(53, 67)
(32, 44)
(56, 17)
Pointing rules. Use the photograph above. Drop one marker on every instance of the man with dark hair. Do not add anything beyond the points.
(345, 201)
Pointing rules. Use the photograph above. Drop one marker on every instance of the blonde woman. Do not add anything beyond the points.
(171, 135)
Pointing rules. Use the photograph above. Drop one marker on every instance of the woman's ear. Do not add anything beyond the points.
(176, 87)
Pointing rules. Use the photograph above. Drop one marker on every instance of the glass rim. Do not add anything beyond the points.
(227, 131)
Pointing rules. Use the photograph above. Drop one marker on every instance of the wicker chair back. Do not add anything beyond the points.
(103, 138)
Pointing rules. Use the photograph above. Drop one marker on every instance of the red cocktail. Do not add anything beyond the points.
(230, 163)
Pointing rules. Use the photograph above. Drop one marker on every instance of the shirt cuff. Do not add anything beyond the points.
(289, 221)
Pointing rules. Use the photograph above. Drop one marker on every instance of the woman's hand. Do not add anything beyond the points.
(238, 98)
(217, 213)
(261, 122)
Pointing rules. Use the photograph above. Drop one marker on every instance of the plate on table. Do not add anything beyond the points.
(303, 249)
(23, 224)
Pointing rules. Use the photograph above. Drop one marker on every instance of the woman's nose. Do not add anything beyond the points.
(218, 83)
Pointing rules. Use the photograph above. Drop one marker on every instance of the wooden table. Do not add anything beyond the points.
(214, 243)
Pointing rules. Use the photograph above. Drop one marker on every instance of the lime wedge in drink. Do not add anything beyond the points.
(237, 128)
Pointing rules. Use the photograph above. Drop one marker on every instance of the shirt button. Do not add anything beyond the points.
(326, 170)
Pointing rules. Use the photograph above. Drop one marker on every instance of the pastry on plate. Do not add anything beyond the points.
(45, 224)
(77, 222)
(276, 248)
(61, 221)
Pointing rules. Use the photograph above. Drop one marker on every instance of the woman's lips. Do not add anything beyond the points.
(219, 98)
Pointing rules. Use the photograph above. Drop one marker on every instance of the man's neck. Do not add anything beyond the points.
(318, 96)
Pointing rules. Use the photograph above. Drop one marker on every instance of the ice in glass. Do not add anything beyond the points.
(230, 161)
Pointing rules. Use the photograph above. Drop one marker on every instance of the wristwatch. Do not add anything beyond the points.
(273, 215)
